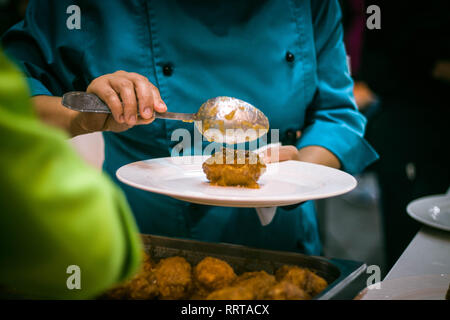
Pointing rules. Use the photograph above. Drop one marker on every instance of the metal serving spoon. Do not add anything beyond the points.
(222, 119)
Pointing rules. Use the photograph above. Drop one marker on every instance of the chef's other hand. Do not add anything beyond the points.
(285, 153)
(127, 94)
(312, 154)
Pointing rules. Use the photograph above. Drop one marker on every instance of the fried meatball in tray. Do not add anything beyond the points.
(214, 279)
(211, 274)
(141, 287)
(232, 293)
(248, 286)
(285, 290)
(303, 278)
(174, 278)
(257, 281)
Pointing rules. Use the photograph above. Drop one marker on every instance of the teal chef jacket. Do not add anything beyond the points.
(285, 57)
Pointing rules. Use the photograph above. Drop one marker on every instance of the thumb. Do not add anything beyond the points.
(279, 154)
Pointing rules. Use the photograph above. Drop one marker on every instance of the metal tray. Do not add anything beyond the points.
(346, 278)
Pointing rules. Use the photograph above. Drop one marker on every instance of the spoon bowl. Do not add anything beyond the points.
(230, 120)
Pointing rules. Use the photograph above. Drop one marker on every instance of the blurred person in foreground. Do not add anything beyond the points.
(56, 210)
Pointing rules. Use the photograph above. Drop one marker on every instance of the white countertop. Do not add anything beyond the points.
(428, 253)
(421, 272)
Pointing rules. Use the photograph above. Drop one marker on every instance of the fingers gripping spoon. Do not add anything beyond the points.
(221, 119)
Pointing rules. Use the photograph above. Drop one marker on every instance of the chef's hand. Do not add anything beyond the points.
(285, 153)
(313, 154)
(364, 97)
(126, 94)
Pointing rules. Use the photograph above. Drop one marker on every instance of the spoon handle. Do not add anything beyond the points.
(89, 102)
(188, 117)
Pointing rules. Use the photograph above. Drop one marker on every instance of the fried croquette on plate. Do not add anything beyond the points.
(285, 290)
(305, 279)
(174, 278)
(230, 167)
(141, 286)
(212, 274)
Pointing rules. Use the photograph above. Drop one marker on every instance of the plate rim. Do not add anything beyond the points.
(226, 201)
(418, 218)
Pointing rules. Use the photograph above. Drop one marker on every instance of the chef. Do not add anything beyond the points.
(285, 57)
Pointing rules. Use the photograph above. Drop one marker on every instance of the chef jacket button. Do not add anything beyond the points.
(291, 134)
(289, 138)
(290, 57)
(168, 70)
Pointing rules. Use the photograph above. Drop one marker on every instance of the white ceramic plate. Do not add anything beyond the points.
(283, 183)
(433, 211)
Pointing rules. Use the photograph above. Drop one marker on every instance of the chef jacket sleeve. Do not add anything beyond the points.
(332, 120)
(36, 45)
(57, 212)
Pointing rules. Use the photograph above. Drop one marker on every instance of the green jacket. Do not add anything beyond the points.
(56, 211)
